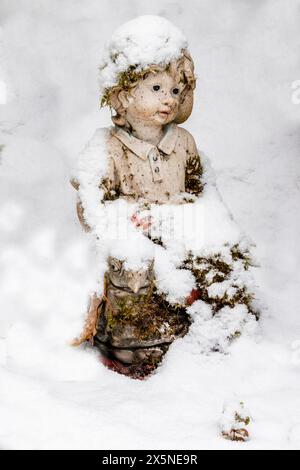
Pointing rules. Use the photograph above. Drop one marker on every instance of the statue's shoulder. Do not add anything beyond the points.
(186, 138)
(99, 137)
(114, 145)
(183, 133)
(103, 141)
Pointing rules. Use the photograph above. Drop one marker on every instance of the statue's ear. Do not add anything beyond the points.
(124, 98)
(117, 105)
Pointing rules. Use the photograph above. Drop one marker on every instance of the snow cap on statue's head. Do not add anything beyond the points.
(137, 46)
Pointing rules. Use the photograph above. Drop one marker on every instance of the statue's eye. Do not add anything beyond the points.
(156, 87)
(175, 91)
(115, 265)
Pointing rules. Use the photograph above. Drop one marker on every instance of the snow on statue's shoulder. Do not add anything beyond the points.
(91, 169)
(92, 161)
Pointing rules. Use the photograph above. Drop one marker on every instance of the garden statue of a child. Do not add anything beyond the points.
(150, 158)
(147, 78)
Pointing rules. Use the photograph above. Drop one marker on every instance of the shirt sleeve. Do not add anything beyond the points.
(193, 169)
(110, 184)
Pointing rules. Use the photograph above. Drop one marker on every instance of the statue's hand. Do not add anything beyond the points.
(141, 222)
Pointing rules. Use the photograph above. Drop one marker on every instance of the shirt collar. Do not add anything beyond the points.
(142, 148)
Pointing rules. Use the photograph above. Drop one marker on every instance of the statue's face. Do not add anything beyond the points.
(155, 100)
(137, 282)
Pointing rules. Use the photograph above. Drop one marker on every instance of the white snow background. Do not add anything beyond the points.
(246, 119)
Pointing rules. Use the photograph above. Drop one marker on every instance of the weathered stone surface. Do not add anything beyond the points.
(135, 324)
(131, 326)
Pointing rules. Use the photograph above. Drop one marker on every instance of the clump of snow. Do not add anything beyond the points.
(213, 332)
(196, 226)
(143, 41)
(175, 283)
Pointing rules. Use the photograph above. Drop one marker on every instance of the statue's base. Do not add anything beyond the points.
(139, 372)
(137, 363)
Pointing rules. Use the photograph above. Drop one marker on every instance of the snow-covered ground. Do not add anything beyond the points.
(246, 119)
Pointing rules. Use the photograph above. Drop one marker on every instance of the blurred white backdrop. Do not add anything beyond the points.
(246, 119)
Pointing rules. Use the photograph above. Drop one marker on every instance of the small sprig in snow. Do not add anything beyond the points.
(137, 44)
(235, 420)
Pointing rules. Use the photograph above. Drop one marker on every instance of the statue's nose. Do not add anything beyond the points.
(168, 100)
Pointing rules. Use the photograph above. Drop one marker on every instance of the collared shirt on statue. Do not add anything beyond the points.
(138, 169)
